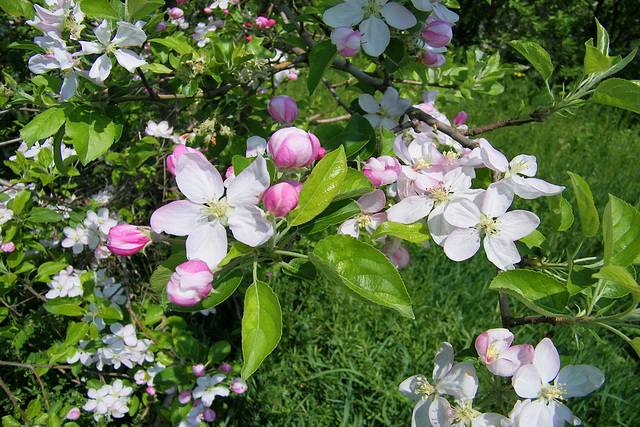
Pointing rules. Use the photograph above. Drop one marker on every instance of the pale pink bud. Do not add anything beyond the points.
(184, 397)
(399, 256)
(7, 247)
(189, 283)
(382, 170)
(283, 109)
(347, 41)
(437, 33)
(151, 391)
(161, 26)
(281, 198)
(238, 386)
(176, 13)
(432, 59)
(292, 76)
(179, 150)
(321, 153)
(496, 352)
(262, 22)
(73, 414)
(127, 239)
(208, 415)
(291, 147)
(225, 367)
(198, 370)
(460, 118)
(226, 11)
(207, 10)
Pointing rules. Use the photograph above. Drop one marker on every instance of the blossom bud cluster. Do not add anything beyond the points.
(531, 370)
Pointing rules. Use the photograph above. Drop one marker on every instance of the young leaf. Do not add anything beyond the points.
(138, 9)
(320, 58)
(536, 55)
(76, 332)
(541, 293)
(179, 45)
(355, 184)
(561, 213)
(92, 131)
(416, 233)
(621, 232)
(42, 215)
(619, 93)
(321, 187)
(620, 276)
(43, 125)
(586, 208)
(261, 326)
(64, 307)
(594, 60)
(17, 8)
(602, 42)
(364, 270)
(336, 213)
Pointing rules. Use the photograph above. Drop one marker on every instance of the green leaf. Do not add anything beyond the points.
(620, 276)
(93, 130)
(416, 233)
(261, 326)
(586, 208)
(364, 270)
(602, 39)
(64, 307)
(57, 152)
(18, 8)
(139, 9)
(594, 60)
(157, 68)
(635, 343)
(8, 420)
(19, 202)
(336, 213)
(321, 187)
(218, 352)
(536, 55)
(619, 65)
(76, 332)
(162, 274)
(43, 125)
(48, 268)
(619, 93)
(179, 45)
(355, 184)
(99, 9)
(171, 376)
(44, 215)
(300, 268)
(320, 58)
(541, 293)
(110, 313)
(621, 232)
(561, 213)
(534, 239)
(358, 138)
(237, 250)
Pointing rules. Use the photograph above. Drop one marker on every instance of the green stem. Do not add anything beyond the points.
(293, 254)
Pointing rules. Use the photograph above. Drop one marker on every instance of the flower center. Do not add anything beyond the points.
(440, 193)
(492, 353)
(552, 392)
(371, 7)
(217, 210)
(463, 414)
(488, 225)
(364, 220)
(421, 163)
(424, 388)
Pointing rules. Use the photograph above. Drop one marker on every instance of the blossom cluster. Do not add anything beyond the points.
(93, 232)
(109, 401)
(532, 371)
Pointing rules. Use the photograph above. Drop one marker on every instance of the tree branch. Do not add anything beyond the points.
(455, 134)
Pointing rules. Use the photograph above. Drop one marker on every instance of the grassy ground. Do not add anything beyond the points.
(340, 360)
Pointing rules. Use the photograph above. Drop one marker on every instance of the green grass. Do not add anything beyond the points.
(341, 359)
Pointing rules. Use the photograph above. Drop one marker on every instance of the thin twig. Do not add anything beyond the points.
(336, 96)
(143, 79)
(36, 294)
(11, 141)
(14, 401)
(125, 284)
(330, 120)
(44, 393)
(454, 133)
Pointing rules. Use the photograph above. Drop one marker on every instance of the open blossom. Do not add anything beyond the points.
(159, 130)
(370, 203)
(371, 15)
(387, 112)
(207, 211)
(499, 356)
(543, 406)
(208, 389)
(238, 386)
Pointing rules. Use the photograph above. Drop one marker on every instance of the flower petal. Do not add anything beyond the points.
(345, 14)
(207, 242)
(462, 244)
(128, 35)
(440, 412)
(492, 158)
(177, 218)
(462, 213)
(461, 382)
(248, 225)
(527, 382)
(375, 36)
(129, 59)
(410, 209)
(547, 360)
(443, 361)
(503, 253)
(515, 225)
(250, 184)
(198, 180)
(579, 380)
(372, 202)
(368, 103)
(398, 16)
(100, 69)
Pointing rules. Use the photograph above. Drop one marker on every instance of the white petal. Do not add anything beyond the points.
(250, 184)
(515, 225)
(440, 412)
(420, 416)
(177, 218)
(443, 361)
(129, 59)
(492, 158)
(538, 414)
(409, 386)
(100, 69)
(579, 380)
(390, 98)
(372, 202)
(527, 382)
(462, 244)
(524, 164)
(444, 14)
(350, 227)
(69, 86)
(423, 5)
(90, 48)
(461, 382)
(128, 35)
(497, 199)
(410, 209)
(375, 36)
(345, 14)
(198, 180)
(532, 188)
(248, 225)
(103, 32)
(374, 119)
(368, 103)
(546, 360)
(503, 253)
(462, 213)
(398, 16)
(207, 242)
(439, 228)
(40, 64)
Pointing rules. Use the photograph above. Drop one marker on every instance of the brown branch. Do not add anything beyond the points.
(36, 294)
(143, 79)
(13, 400)
(416, 113)
(336, 96)
(510, 322)
(505, 310)
(44, 393)
(330, 120)
(175, 97)
(539, 115)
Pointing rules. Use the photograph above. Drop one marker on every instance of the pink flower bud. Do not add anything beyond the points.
(176, 13)
(248, 25)
(238, 386)
(7, 247)
(73, 414)
(229, 173)
(437, 33)
(209, 415)
(225, 367)
(249, 38)
(347, 41)
(460, 118)
(189, 283)
(271, 23)
(283, 109)
(382, 170)
(291, 147)
(127, 239)
(261, 22)
(226, 11)
(198, 370)
(207, 10)
(141, 377)
(321, 153)
(432, 59)
(179, 150)
(501, 358)
(161, 26)
(398, 255)
(151, 391)
(281, 198)
(184, 397)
